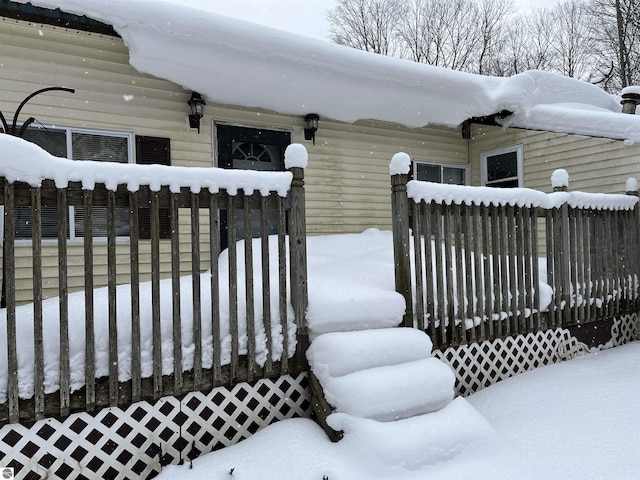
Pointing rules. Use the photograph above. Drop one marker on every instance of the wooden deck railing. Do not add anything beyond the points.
(130, 346)
(468, 263)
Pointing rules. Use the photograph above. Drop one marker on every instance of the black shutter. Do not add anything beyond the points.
(153, 150)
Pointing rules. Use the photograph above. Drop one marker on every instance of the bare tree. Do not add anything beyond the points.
(492, 19)
(593, 40)
(572, 44)
(365, 24)
(616, 36)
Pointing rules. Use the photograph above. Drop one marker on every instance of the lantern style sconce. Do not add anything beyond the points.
(196, 108)
(311, 120)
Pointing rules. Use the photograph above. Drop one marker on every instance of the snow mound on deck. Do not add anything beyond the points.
(351, 283)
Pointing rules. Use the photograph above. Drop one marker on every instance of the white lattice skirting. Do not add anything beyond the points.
(479, 365)
(136, 442)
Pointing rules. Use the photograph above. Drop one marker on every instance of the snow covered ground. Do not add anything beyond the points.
(575, 420)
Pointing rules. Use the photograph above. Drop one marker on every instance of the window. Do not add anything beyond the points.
(77, 144)
(502, 168)
(433, 172)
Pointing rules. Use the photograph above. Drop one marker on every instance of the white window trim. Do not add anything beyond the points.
(72, 237)
(519, 156)
(464, 167)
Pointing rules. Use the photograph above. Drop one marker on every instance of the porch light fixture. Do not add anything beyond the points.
(311, 120)
(196, 108)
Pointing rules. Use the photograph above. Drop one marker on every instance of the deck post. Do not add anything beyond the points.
(399, 169)
(295, 158)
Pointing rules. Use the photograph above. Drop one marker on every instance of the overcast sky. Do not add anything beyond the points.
(306, 17)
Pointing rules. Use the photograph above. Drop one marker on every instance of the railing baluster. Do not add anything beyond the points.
(416, 208)
(504, 271)
(214, 239)
(266, 285)
(487, 311)
(449, 276)
(156, 332)
(175, 295)
(468, 269)
(478, 291)
(457, 245)
(112, 283)
(196, 300)
(438, 224)
(233, 289)
(63, 302)
(430, 275)
(512, 321)
(134, 251)
(89, 351)
(248, 279)
(520, 271)
(38, 340)
(282, 285)
(9, 265)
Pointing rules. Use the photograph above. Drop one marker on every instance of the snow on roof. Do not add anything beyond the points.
(235, 62)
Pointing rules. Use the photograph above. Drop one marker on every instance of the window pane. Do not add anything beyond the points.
(49, 220)
(99, 148)
(502, 166)
(99, 221)
(453, 176)
(52, 140)
(428, 173)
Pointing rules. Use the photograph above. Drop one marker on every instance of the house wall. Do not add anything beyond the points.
(347, 181)
(598, 165)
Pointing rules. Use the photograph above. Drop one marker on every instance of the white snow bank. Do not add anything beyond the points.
(392, 392)
(453, 443)
(573, 420)
(235, 62)
(336, 354)
(26, 162)
(576, 420)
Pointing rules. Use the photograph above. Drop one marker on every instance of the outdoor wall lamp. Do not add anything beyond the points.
(311, 120)
(12, 131)
(196, 107)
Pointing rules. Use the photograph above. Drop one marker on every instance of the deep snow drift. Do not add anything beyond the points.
(577, 420)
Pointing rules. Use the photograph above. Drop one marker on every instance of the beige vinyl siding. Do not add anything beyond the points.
(347, 180)
(598, 165)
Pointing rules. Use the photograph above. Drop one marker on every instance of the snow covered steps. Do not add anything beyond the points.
(383, 375)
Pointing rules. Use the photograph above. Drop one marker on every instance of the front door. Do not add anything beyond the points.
(250, 149)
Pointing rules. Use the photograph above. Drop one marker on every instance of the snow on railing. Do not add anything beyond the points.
(467, 257)
(142, 336)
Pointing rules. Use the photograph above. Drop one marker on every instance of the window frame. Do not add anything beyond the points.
(463, 167)
(517, 149)
(69, 131)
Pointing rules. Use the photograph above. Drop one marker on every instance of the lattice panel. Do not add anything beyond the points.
(625, 329)
(479, 365)
(138, 441)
